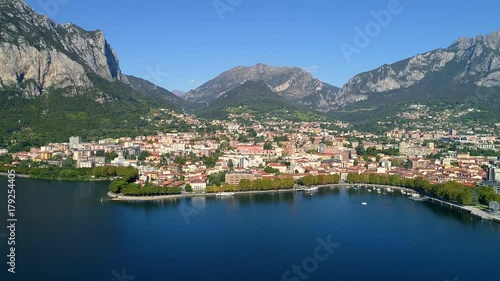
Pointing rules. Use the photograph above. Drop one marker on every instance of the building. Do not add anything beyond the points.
(406, 149)
(91, 162)
(281, 168)
(74, 142)
(235, 178)
(198, 185)
(83, 163)
(494, 207)
(493, 174)
(46, 155)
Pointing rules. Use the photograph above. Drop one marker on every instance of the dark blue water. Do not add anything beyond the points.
(65, 233)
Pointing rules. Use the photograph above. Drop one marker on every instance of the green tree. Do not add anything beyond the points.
(360, 149)
(144, 154)
(117, 186)
(270, 170)
(181, 160)
(110, 156)
(288, 182)
(245, 185)
(268, 146)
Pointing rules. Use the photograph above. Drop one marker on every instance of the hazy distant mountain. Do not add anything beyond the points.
(467, 71)
(150, 89)
(178, 93)
(257, 99)
(59, 80)
(294, 84)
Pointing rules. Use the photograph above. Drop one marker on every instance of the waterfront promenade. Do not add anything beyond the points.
(473, 211)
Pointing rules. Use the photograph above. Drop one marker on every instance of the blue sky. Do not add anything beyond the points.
(180, 44)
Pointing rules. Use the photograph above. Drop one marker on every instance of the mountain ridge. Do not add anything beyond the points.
(255, 98)
(478, 58)
(58, 80)
(294, 84)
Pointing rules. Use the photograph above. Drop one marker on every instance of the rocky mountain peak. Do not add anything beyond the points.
(44, 54)
(292, 83)
(471, 62)
(491, 41)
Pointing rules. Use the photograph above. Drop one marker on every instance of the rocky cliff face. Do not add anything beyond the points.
(36, 53)
(294, 84)
(467, 61)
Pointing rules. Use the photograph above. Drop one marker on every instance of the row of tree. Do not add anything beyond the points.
(133, 189)
(255, 185)
(149, 190)
(450, 191)
(128, 174)
(311, 180)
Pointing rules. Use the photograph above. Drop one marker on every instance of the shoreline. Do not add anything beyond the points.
(119, 197)
(24, 176)
(471, 210)
(28, 176)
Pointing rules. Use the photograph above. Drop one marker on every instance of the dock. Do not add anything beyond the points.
(419, 199)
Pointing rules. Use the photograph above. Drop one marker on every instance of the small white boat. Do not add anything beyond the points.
(312, 189)
(369, 190)
(225, 194)
(364, 203)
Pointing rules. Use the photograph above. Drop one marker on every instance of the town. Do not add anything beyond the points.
(225, 152)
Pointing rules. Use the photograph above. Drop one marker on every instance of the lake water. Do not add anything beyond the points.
(66, 233)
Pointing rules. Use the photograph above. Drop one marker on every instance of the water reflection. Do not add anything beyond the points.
(266, 198)
(446, 211)
(234, 203)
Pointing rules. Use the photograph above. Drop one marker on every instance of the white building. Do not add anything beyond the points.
(81, 163)
(198, 185)
(74, 142)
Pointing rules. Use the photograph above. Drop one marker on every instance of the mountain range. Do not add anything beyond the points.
(293, 84)
(468, 70)
(258, 99)
(58, 80)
